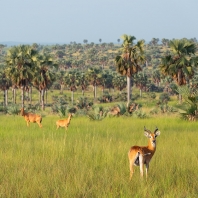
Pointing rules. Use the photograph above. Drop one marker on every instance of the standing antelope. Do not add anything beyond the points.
(30, 117)
(64, 123)
(140, 155)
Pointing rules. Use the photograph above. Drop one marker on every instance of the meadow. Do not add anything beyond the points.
(90, 158)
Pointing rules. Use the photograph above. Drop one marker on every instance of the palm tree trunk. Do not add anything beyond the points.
(39, 97)
(22, 97)
(128, 90)
(95, 92)
(43, 99)
(30, 94)
(140, 92)
(62, 87)
(72, 97)
(6, 97)
(27, 95)
(46, 96)
(146, 63)
(179, 78)
(83, 91)
(14, 95)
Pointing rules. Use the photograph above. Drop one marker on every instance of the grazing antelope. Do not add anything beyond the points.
(64, 123)
(30, 117)
(140, 155)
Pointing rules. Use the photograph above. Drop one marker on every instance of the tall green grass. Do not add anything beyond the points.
(90, 158)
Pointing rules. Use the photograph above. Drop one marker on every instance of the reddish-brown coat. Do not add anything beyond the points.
(30, 117)
(64, 123)
(140, 155)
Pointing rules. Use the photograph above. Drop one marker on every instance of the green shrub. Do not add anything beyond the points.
(13, 109)
(140, 114)
(97, 113)
(164, 97)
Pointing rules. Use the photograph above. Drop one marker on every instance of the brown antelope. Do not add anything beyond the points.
(30, 117)
(140, 155)
(64, 123)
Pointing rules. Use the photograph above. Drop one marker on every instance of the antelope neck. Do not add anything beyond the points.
(151, 146)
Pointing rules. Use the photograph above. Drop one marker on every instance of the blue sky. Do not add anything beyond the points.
(63, 21)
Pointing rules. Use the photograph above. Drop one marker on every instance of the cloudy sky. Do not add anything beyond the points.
(65, 21)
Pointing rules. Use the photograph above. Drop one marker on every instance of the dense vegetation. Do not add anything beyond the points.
(64, 71)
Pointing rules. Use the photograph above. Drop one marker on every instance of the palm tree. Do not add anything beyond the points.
(1, 48)
(154, 41)
(103, 60)
(72, 81)
(108, 77)
(43, 76)
(128, 63)
(85, 41)
(94, 76)
(103, 81)
(194, 81)
(60, 78)
(5, 83)
(20, 62)
(165, 42)
(35, 46)
(148, 59)
(181, 61)
(141, 81)
(156, 77)
(83, 82)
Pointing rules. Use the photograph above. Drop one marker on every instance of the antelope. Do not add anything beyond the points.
(140, 155)
(30, 117)
(64, 123)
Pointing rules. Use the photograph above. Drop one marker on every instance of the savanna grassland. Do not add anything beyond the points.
(90, 158)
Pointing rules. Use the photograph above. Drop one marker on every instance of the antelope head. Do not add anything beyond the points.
(152, 136)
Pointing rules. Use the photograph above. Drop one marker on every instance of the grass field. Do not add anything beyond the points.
(90, 159)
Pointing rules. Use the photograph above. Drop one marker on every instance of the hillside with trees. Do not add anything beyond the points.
(96, 79)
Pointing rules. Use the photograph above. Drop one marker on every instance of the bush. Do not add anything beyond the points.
(59, 106)
(13, 109)
(121, 97)
(151, 95)
(3, 109)
(154, 111)
(98, 113)
(164, 97)
(83, 103)
(140, 114)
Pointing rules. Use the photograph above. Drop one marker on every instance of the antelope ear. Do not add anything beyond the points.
(147, 134)
(157, 133)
